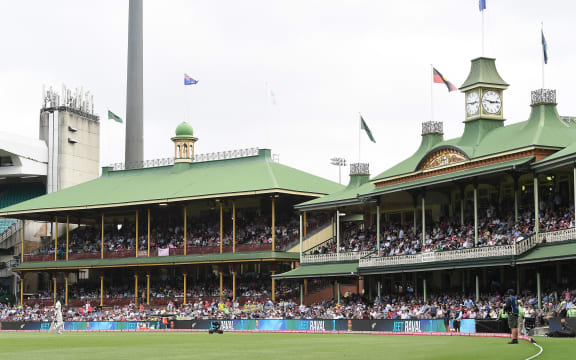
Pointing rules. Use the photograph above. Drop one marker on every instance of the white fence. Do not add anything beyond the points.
(473, 253)
(334, 257)
(367, 258)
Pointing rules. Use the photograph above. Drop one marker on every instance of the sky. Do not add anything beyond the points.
(324, 61)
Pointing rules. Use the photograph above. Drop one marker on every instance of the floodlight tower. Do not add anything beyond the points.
(134, 89)
(338, 161)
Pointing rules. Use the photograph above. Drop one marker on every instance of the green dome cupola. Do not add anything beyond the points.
(184, 143)
(184, 130)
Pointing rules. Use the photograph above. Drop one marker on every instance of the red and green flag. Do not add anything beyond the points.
(439, 79)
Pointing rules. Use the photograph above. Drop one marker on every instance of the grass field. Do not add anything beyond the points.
(238, 346)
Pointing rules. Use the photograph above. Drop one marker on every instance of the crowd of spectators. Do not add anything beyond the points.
(251, 230)
(408, 306)
(493, 230)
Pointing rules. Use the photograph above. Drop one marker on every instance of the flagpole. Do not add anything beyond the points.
(543, 51)
(432, 92)
(359, 134)
(482, 31)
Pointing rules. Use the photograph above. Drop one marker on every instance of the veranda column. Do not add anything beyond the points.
(185, 231)
(305, 228)
(221, 226)
(477, 288)
(233, 284)
(423, 219)
(301, 245)
(66, 289)
(538, 289)
(221, 283)
(273, 223)
(379, 285)
(136, 297)
(536, 208)
(102, 289)
(233, 226)
(574, 184)
(475, 214)
(56, 240)
(305, 286)
(272, 273)
(415, 215)
(22, 241)
(338, 234)
(67, 236)
(338, 289)
(148, 289)
(425, 293)
(102, 238)
(515, 199)
(301, 295)
(54, 288)
(462, 188)
(148, 231)
(137, 235)
(378, 228)
(185, 283)
(22, 289)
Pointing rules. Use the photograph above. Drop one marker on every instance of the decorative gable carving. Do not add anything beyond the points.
(443, 157)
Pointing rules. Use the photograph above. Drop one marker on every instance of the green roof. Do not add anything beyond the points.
(566, 155)
(544, 128)
(321, 270)
(483, 72)
(358, 185)
(550, 252)
(209, 179)
(158, 260)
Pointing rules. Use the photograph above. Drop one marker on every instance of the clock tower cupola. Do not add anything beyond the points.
(483, 100)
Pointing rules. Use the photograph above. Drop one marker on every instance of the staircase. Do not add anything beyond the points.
(321, 235)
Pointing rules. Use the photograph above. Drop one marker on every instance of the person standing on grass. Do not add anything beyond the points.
(511, 308)
(59, 322)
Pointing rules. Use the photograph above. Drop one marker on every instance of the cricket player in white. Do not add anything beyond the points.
(58, 312)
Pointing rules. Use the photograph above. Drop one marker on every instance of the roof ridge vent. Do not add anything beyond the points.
(543, 96)
(432, 127)
(357, 169)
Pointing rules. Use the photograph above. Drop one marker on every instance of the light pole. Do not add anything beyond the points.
(338, 161)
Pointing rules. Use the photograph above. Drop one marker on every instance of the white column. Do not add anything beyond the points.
(425, 290)
(378, 228)
(301, 245)
(538, 289)
(536, 208)
(475, 215)
(423, 219)
(338, 234)
(477, 288)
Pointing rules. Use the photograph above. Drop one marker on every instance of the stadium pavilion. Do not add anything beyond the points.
(229, 198)
(493, 175)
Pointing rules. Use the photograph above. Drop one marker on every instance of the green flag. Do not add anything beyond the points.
(365, 127)
(112, 116)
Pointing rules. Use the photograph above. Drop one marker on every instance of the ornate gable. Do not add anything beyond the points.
(442, 157)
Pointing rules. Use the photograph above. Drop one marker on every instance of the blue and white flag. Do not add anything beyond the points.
(482, 5)
(189, 81)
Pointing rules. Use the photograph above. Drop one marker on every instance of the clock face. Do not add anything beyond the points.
(472, 103)
(491, 102)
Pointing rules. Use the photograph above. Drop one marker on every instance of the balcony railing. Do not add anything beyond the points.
(334, 257)
(474, 253)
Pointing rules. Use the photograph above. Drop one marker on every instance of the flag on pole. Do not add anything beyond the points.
(364, 126)
(482, 5)
(439, 79)
(112, 116)
(189, 81)
(544, 48)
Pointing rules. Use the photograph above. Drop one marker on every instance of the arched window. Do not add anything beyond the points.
(185, 151)
(178, 153)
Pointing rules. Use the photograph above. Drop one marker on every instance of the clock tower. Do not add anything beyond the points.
(483, 100)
